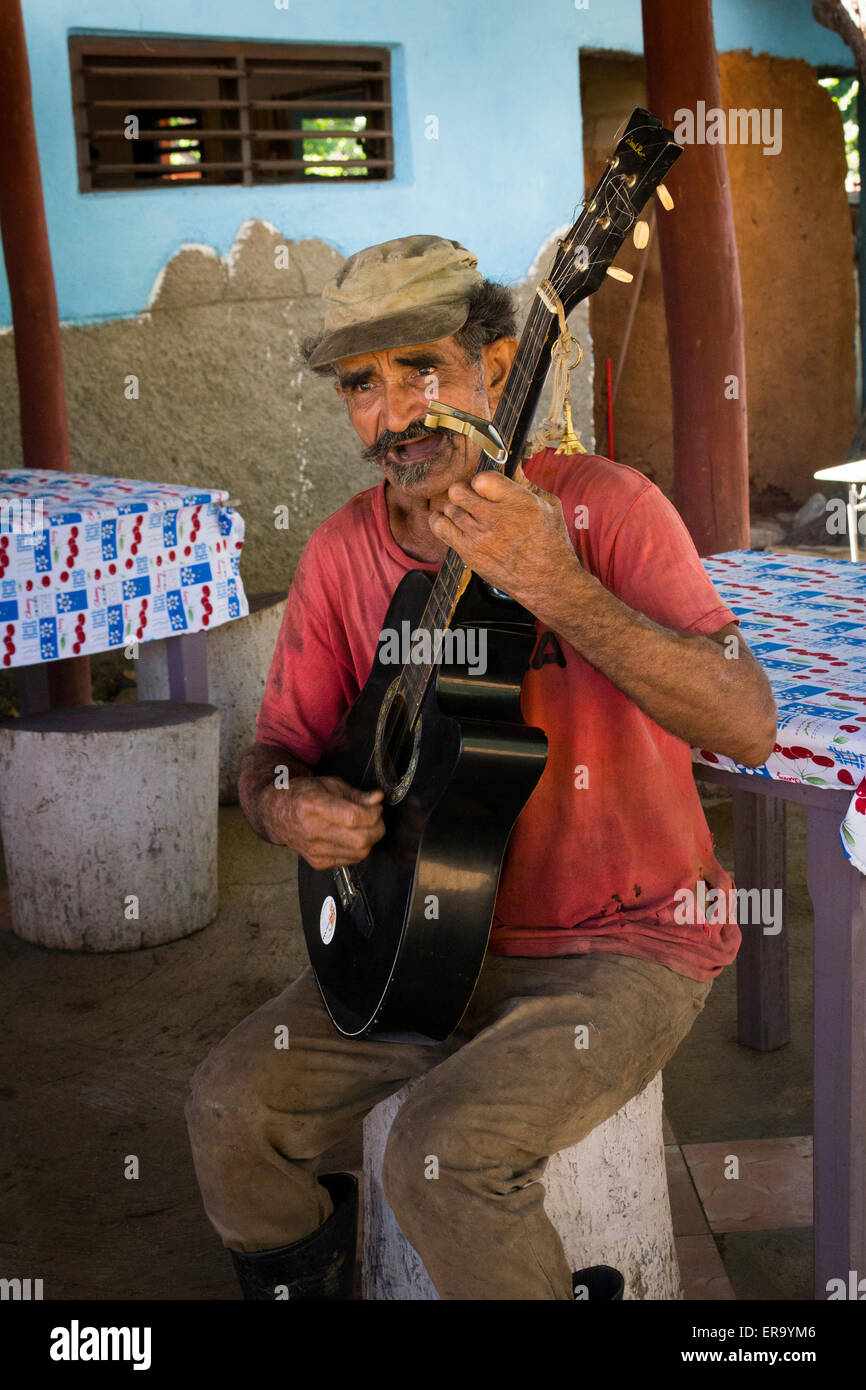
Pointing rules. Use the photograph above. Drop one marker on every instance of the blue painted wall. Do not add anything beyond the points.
(476, 64)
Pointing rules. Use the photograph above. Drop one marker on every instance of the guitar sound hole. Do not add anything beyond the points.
(397, 742)
(397, 746)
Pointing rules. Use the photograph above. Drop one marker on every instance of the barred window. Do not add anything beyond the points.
(163, 113)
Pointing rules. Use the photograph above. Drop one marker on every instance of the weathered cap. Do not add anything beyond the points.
(413, 289)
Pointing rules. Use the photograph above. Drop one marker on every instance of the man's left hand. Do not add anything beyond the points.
(510, 533)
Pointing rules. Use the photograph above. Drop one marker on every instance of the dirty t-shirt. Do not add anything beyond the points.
(614, 828)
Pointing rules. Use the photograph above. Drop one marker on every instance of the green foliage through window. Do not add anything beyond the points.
(337, 147)
(844, 90)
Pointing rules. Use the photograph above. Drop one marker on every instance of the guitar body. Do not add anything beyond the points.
(399, 957)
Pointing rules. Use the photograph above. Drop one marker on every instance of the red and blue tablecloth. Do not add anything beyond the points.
(89, 563)
(804, 617)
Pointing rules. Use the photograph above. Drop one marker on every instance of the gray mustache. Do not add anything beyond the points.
(389, 440)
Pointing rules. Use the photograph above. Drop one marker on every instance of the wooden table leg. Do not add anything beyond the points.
(186, 655)
(838, 893)
(762, 961)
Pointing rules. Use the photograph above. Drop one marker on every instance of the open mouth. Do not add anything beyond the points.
(414, 450)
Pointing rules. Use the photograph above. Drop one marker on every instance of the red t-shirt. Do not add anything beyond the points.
(614, 827)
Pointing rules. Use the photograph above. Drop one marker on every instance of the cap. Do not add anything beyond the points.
(413, 289)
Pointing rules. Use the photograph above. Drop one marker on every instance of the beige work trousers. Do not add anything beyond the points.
(508, 1089)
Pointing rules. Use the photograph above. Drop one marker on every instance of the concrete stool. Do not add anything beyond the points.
(108, 815)
(607, 1197)
(239, 657)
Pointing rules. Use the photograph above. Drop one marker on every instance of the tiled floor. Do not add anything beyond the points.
(733, 1186)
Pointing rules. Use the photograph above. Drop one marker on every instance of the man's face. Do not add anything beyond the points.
(388, 393)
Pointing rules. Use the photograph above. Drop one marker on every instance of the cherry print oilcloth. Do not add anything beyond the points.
(103, 562)
(804, 618)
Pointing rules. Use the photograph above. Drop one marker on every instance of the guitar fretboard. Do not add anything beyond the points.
(538, 335)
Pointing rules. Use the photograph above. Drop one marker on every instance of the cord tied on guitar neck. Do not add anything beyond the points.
(558, 425)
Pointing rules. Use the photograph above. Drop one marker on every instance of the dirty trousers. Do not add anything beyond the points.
(547, 1050)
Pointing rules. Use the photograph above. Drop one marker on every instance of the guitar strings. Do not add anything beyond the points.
(539, 324)
(414, 678)
(538, 329)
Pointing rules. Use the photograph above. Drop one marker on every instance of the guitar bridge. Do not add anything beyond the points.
(353, 900)
(346, 888)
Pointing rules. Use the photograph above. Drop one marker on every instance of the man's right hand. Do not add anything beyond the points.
(328, 822)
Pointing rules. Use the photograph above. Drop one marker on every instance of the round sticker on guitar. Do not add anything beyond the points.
(327, 920)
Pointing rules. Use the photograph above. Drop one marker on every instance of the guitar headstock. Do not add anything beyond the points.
(642, 158)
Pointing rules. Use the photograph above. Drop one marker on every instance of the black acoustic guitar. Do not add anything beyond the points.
(397, 942)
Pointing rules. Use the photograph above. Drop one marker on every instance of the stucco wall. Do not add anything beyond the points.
(223, 399)
(796, 256)
(501, 76)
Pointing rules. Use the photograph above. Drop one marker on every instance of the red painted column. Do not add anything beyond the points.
(702, 292)
(27, 255)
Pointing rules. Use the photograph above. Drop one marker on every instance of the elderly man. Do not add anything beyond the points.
(631, 668)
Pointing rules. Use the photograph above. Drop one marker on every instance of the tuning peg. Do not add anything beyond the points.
(616, 274)
(664, 198)
(640, 235)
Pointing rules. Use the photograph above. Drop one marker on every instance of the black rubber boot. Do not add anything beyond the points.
(602, 1283)
(322, 1265)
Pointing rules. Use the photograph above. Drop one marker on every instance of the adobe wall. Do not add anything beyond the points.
(797, 268)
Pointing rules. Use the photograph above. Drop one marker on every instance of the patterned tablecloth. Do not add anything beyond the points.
(804, 617)
(89, 563)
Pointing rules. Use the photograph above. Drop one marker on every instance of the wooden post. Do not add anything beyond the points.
(861, 249)
(27, 254)
(28, 260)
(701, 278)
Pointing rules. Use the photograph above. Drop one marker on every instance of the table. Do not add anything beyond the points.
(804, 617)
(89, 564)
(852, 473)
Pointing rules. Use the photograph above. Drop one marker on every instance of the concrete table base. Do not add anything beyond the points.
(607, 1198)
(109, 821)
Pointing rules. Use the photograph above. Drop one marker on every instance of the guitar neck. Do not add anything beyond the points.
(524, 385)
(512, 419)
(642, 158)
